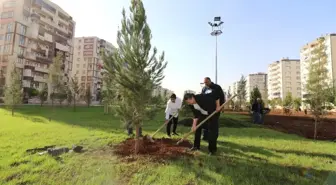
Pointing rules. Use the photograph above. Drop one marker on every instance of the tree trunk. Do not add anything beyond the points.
(137, 140)
(12, 110)
(74, 103)
(315, 128)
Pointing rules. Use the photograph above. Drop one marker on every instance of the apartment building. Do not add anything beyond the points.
(284, 76)
(233, 89)
(88, 62)
(306, 54)
(32, 33)
(258, 80)
(162, 92)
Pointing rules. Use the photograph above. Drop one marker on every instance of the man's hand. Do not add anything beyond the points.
(193, 128)
(166, 122)
(218, 109)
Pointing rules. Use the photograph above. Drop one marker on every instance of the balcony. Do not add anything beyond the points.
(27, 73)
(35, 16)
(26, 83)
(41, 37)
(40, 79)
(62, 47)
(40, 69)
(43, 59)
(62, 21)
(30, 55)
(63, 29)
(48, 21)
(47, 12)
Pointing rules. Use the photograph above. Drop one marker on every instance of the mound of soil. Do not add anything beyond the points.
(162, 148)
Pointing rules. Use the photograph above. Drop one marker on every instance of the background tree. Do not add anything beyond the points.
(241, 91)
(288, 100)
(13, 92)
(69, 95)
(272, 103)
(135, 72)
(43, 94)
(55, 77)
(254, 95)
(74, 88)
(108, 94)
(297, 103)
(62, 94)
(87, 96)
(318, 85)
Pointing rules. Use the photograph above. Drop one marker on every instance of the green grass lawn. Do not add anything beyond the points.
(247, 154)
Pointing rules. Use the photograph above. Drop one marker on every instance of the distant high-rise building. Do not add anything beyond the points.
(32, 33)
(283, 77)
(306, 54)
(88, 62)
(258, 80)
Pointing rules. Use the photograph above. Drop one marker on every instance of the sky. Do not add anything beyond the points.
(255, 33)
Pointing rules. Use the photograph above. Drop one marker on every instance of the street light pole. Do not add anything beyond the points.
(216, 31)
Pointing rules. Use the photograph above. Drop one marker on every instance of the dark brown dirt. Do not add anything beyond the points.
(162, 148)
(300, 124)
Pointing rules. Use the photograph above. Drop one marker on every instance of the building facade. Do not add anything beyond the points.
(160, 91)
(88, 62)
(258, 80)
(32, 33)
(284, 76)
(306, 54)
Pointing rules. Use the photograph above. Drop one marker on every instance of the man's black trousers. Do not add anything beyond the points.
(205, 132)
(172, 122)
(212, 128)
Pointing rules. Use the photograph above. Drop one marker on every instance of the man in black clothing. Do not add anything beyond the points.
(202, 106)
(217, 93)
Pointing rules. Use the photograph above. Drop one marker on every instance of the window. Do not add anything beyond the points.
(21, 51)
(9, 4)
(7, 15)
(22, 29)
(22, 40)
(2, 37)
(298, 78)
(77, 72)
(8, 37)
(84, 65)
(10, 27)
(78, 59)
(77, 65)
(20, 61)
(79, 47)
(7, 48)
(83, 78)
(83, 72)
(298, 72)
(299, 88)
(88, 46)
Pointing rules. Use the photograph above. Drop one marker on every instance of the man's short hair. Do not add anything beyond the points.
(208, 78)
(173, 96)
(188, 96)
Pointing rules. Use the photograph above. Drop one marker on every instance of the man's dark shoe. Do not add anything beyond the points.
(194, 149)
(168, 135)
(205, 139)
(176, 134)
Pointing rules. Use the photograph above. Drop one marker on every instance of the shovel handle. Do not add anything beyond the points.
(165, 123)
(206, 119)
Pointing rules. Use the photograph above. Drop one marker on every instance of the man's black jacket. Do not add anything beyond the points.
(206, 102)
(217, 92)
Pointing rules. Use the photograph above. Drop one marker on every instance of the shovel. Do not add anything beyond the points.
(151, 137)
(206, 119)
